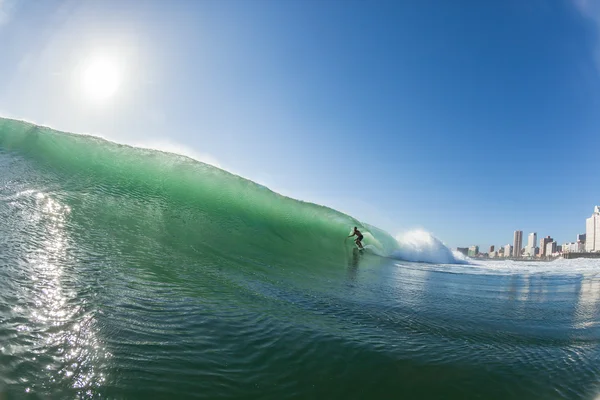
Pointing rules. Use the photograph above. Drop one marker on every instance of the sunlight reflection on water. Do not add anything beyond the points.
(58, 319)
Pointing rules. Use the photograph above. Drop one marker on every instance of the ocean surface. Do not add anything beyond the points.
(132, 274)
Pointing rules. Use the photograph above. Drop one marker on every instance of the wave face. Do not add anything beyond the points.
(201, 205)
(170, 198)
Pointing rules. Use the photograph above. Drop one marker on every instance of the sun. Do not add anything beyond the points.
(101, 78)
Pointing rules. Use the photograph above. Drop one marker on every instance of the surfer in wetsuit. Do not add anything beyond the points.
(359, 237)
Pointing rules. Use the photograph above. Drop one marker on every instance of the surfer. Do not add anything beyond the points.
(359, 238)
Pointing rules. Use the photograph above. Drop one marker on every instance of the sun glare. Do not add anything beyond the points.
(101, 78)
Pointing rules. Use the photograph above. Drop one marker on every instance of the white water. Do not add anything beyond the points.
(560, 266)
(421, 246)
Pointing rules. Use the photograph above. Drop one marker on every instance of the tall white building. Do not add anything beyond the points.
(531, 243)
(508, 250)
(517, 243)
(550, 248)
(576, 247)
(592, 231)
(544, 245)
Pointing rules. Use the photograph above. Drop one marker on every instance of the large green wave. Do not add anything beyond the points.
(141, 196)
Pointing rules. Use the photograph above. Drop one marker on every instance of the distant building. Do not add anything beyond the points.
(575, 247)
(508, 250)
(517, 243)
(543, 246)
(550, 248)
(463, 250)
(579, 246)
(531, 244)
(592, 231)
(491, 249)
(473, 251)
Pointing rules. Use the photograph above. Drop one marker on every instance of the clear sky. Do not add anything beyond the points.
(469, 119)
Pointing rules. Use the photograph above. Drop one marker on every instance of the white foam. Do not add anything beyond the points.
(421, 246)
(557, 267)
(560, 267)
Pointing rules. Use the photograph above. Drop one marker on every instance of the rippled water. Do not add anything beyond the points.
(114, 286)
(79, 325)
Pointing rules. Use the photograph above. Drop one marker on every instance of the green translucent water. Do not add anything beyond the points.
(130, 273)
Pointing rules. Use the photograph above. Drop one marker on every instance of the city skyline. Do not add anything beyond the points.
(547, 244)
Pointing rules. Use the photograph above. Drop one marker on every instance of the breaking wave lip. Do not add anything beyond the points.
(421, 246)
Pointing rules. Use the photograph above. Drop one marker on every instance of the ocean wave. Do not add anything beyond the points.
(170, 198)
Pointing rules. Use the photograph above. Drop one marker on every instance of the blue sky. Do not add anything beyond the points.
(469, 119)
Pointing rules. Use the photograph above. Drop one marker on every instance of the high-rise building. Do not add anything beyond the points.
(473, 251)
(517, 243)
(463, 250)
(508, 249)
(550, 248)
(543, 246)
(592, 231)
(531, 243)
(491, 249)
(578, 246)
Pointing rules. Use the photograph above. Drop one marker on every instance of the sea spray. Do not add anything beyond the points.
(421, 246)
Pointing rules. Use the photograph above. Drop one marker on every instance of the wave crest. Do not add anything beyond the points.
(421, 246)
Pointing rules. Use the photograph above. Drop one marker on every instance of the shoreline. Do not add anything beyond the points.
(565, 256)
(515, 259)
